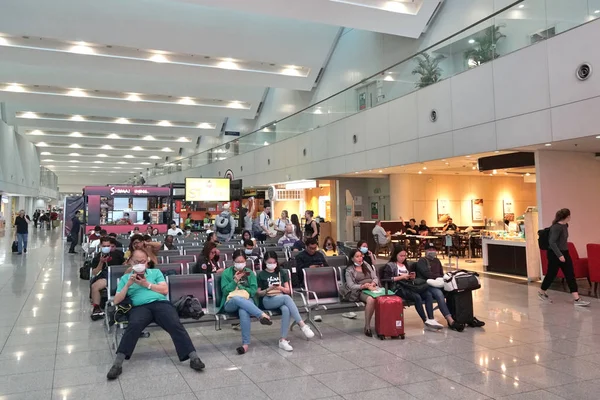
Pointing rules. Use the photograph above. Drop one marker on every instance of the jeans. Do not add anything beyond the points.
(438, 295)
(21, 241)
(419, 299)
(165, 316)
(288, 308)
(245, 308)
(553, 265)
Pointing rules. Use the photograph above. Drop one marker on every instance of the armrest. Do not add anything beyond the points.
(301, 295)
(308, 294)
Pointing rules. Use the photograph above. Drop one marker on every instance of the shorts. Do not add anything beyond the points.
(102, 275)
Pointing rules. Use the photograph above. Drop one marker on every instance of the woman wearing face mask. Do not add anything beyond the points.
(274, 290)
(239, 287)
(361, 276)
(329, 248)
(208, 263)
(367, 255)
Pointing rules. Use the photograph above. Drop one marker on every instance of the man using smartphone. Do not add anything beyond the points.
(107, 256)
(310, 257)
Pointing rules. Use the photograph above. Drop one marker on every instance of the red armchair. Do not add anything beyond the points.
(580, 265)
(593, 251)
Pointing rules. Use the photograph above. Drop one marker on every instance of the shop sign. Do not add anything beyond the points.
(124, 191)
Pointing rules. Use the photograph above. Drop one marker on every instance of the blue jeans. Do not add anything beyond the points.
(245, 308)
(419, 299)
(21, 241)
(287, 307)
(438, 295)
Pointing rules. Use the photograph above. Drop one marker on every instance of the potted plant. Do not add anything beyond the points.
(429, 69)
(484, 48)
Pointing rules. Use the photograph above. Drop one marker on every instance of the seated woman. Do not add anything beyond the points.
(135, 231)
(149, 230)
(155, 232)
(246, 235)
(329, 248)
(208, 263)
(368, 256)
(361, 276)
(403, 284)
(138, 243)
(274, 292)
(239, 286)
(168, 244)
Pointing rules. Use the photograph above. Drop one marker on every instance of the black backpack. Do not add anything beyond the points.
(544, 239)
(291, 266)
(84, 272)
(189, 307)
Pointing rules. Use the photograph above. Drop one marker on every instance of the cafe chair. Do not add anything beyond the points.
(580, 265)
(593, 252)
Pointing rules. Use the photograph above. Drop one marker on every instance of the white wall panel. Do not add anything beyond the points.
(473, 97)
(437, 146)
(355, 125)
(435, 97)
(318, 144)
(565, 53)
(377, 129)
(334, 139)
(403, 124)
(524, 130)
(521, 82)
(377, 158)
(356, 162)
(475, 139)
(404, 153)
(576, 120)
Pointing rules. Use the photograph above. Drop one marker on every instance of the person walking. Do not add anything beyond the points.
(75, 228)
(36, 217)
(559, 258)
(22, 224)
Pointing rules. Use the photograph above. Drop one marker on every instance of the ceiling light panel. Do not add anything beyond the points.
(103, 136)
(118, 121)
(121, 96)
(154, 56)
(410, 7)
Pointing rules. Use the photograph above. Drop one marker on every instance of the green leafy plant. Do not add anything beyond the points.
(484, 48)
(429, 69)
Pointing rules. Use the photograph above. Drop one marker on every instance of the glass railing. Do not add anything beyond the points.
(48, 179)
(519, 25)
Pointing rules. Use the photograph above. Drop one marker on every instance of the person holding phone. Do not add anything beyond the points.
(147, 291)
(274, 292)
(361, 277)
(108, 256)
(310, 257)
(239, 287)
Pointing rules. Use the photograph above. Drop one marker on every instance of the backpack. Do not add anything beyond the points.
(189, 307)
(544, 239)
(84, 272)
(223, 225)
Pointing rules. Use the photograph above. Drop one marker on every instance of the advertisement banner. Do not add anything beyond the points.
(477, 210)
(72, 205)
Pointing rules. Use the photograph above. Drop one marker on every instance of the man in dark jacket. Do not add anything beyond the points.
(108, 256)
(22, 224)
(75, 228)
(310, 257)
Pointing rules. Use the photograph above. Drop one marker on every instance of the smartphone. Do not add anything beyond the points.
(276, 284)
(139, 276)
(247, 273)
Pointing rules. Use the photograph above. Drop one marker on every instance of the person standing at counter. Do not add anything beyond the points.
(559, 258)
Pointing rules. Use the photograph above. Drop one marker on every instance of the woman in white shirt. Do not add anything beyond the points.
(281, 223)
(174, 230)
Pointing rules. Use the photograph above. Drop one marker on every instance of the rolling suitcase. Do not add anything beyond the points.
(389, 317)
(460, 305)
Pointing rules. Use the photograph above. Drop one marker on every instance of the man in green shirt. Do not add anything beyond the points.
(147, 291)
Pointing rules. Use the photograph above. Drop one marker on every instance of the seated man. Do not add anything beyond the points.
(411, 227)
(114, 236)
(423, 228)
(147, 290)
(108, 256)
(449, 226)
(289, 237)
(383, 238)
(310, 257)
(433, 264)
(174, 230)
(95, 235)
(252, 252)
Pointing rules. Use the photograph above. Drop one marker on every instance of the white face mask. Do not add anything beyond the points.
(239, 266)
(271, 267)
(357, 264)
(106, 250)
(139, 268)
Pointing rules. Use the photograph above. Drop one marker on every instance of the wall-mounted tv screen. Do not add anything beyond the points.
(207, 189)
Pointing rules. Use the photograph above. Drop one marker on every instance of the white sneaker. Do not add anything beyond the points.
(581, 303)
(432, 323)
(285, 345)
(308, 333)
(349, 315)
(318, 318)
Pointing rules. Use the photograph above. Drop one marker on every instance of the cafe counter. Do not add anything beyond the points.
(507, 256)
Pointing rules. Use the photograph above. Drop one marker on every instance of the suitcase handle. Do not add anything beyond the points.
(385, 282)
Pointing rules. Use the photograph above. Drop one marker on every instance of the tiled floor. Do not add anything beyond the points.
(50, 349)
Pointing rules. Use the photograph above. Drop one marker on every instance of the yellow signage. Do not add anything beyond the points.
(206, 189)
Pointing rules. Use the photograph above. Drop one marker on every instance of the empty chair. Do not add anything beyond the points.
(167, 253)
(337, 261)
(226, 254)
(181, 259)
(193, 251)
(164, 268)
(593, 252)
(193, 285)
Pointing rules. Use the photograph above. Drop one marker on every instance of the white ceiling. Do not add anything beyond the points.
(222, 57)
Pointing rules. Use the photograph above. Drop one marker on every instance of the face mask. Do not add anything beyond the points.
(430, 254)
(139, 268)
(357, 264)
(364, 250)
(239, 266)
(248, 251)
(271, 267)
(330, 247)
(106, 250)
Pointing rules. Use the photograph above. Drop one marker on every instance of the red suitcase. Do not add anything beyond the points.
(389, 317)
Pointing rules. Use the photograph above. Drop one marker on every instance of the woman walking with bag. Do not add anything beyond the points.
(559, 258)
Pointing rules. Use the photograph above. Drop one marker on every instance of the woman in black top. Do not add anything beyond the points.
(208, 263)
(297, 229)
(310, 229)
(559, 257)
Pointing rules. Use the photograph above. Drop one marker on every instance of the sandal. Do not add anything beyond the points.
(265, 321)
(368, 333)
(240, 350)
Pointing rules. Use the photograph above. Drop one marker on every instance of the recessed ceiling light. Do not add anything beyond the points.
(166, 149)
(228, 64)
(48, 160)
(420, 172)
(107, 147)
(527, 174)
(75, 134)
(15, 87)
(82, 48)
(134, 97)
(471, 41)
(468, 156)
(3, 41)
(155, 157)
(159, 58)
(236, 104)
(424, 168)
(128, 156)
(497, 152)
(205, 125)
(473, 167)
(163, 123)
(74, 154)
(138, 168)
(29, 115)
(77, 93)
(380, 171)
(521, 5)
(137, 148)
(45, 153)
(37, 132)
(265, 143)
(183, 140)
(447, 163)
(41, 144)
(75, 146)
(548, 144)
(148, 137)
(101, 155)
(122, 121)
(495, 172)
(146, 163)
(122, 162)
(73, 161)
(595, 12)
(186, 101)
(117, 168)
(78, 118)
(95, 167)
(98, 162)
(113, 136)
(291, 71)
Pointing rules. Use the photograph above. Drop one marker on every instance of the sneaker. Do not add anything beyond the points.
(285, 345)
(318, 318)
(114, 372)
(308, 333)
(455, 326)
(196, 364)
(349, 315)
(544, 297)
(25, 250)
(475, 323)
(97, 313)
(432, 323)
(236, 327)
(581, 303)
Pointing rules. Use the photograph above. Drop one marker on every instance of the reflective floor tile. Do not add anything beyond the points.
(98, 391)
(402, 372)
(494, 360)
(80, 376)
(390, 393)
(535, 395)
(248, 391)
(370, 357)
(212, 378)
(587, 390)
(541, 376)
(342, 383)
(449, 366)
(37, 395)
(532, 353)
(442, 389)
(26, 364)
(158, 386)
(323, 364)
(493, 384)
(29, 382)
(302, 388)
(271, 371)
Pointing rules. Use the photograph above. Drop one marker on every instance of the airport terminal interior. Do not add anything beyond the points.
(210, 200)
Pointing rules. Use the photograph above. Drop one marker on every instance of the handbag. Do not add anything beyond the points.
(239, 293)
(461, 280)
(417, 285)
